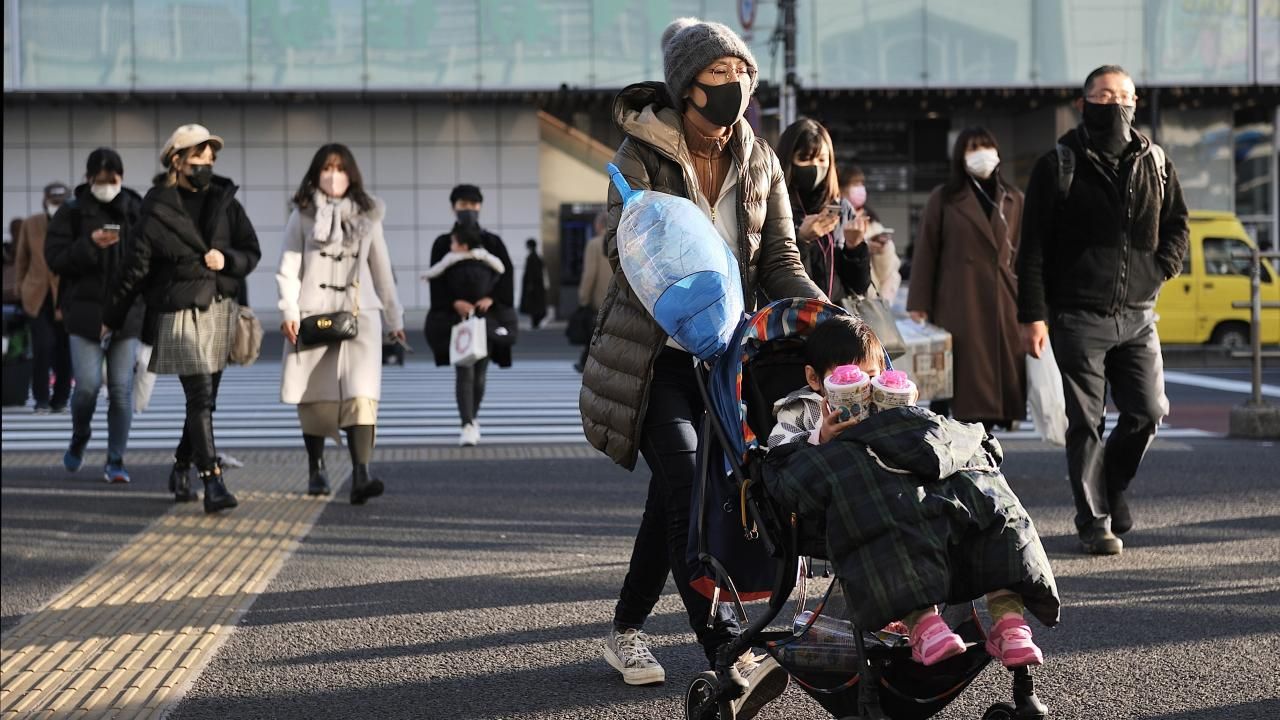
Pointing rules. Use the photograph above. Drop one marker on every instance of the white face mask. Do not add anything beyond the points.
(51, 209)
(982, 162)
(334, 183)
(105, 193)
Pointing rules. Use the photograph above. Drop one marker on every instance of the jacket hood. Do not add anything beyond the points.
(644, 112)
(1075, 139)
(928, 446)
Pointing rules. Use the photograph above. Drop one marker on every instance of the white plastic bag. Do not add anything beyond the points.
(468, 342)
(1044, 393)
(144, 381)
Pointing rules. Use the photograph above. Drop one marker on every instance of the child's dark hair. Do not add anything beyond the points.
(103, 159)
(467, 236)
(841, 340)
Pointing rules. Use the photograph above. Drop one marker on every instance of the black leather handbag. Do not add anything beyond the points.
(333, 327)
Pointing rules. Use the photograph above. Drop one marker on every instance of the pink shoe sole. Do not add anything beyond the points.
(932, 642)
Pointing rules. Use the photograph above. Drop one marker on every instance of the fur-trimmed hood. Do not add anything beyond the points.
(453, 258)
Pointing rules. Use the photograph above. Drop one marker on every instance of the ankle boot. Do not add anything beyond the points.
(180, 483)
(216, 495)
(363, 487)
(318, 479)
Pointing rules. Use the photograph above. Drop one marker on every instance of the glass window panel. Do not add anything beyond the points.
(191, 43)
(869, 43)
(1199, 142)
(535, 43)
(422, 44)
(1200, 41)
(967, 48)
(1073, 37)
(1254, 152)
(77, 43)
(1227, 256)
(632, 52)
(761, 32)
(307, 43)
(8, 51)
(1269, 41)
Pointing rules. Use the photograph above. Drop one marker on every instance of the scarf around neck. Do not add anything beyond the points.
(333, 218)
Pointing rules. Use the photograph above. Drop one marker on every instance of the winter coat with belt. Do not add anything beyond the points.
(915, 512)
(441, 317)
(627, 340)
(962, 277)
(315, 277)
(167, 265)
(35, 280)
(86, 270)
(1110, 243)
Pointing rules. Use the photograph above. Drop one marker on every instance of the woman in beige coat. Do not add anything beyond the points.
(335, 258)
(962, 278)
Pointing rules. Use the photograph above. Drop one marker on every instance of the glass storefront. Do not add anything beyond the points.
(544, 44)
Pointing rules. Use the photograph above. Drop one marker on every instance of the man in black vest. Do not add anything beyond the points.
(1103, 228)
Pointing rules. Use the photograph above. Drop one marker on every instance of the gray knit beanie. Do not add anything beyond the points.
(689, 45)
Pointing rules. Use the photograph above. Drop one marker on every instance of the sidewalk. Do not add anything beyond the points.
(481, 585)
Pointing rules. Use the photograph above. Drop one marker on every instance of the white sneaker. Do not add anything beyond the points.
(470, 435)
(628, 653)
(766, 681)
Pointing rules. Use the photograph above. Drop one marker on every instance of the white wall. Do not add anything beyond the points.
(411, 155)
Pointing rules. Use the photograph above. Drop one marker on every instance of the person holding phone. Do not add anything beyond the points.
(885, 264)
(832, 246)
(87, 243)
(335, 259)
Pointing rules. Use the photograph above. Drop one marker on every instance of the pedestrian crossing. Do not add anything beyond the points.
(533, 402)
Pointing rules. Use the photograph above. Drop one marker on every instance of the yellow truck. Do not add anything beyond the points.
(1196, 306)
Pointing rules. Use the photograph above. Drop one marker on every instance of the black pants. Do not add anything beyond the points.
(469, 388)
(50, 350)
(197, 444)
(1094, 351)
(669, 443)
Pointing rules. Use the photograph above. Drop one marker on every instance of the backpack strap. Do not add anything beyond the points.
(1066, 169)
(1162, 171)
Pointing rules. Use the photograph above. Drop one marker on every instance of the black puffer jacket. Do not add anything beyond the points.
(167, 265)
(1107, 245)
(441, 317)
(86, 270)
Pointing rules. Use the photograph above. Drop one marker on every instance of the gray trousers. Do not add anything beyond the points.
(1095, 351)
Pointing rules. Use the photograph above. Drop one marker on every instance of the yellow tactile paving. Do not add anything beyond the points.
(129, 637)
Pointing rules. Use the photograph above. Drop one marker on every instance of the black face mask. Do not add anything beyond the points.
(200, 176)
(468, 217)
(810, 184)
(725, 104)
(1109, 126)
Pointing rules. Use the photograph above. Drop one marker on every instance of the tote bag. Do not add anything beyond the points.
(1045, 395)
(468, 342)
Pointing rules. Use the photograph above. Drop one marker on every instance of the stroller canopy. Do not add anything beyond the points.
(793, 317)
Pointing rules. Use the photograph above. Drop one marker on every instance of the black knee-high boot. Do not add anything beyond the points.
(360, 443)
(318, 479)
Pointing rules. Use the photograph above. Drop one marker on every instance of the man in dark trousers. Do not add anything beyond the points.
(1104, 227)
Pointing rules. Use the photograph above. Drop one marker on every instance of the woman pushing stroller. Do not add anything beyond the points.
(916, 509)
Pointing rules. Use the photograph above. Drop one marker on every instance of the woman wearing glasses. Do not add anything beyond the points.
(685, 137)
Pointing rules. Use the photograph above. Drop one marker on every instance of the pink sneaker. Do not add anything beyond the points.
(932, 641)
(1010, 642)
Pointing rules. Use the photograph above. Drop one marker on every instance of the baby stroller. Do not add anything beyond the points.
(852, 672)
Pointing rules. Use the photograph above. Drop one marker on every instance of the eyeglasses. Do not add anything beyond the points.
(725, 74)
(1107, 97)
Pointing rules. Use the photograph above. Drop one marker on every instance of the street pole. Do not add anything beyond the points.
(787, 94)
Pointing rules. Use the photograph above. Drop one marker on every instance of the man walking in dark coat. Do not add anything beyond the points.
(1104, 227)
(533, 287)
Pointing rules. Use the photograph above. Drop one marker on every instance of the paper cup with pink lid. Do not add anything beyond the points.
(891, 389)
(849, 392)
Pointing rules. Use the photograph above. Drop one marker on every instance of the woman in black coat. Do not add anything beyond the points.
(87, 242)
(533, 288)
(193, 249)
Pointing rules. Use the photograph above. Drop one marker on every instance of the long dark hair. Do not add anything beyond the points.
(958, 181)
(806, 137)
(305, 196)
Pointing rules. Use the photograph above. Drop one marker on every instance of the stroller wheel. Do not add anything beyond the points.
(700, 699)
(1001, 711)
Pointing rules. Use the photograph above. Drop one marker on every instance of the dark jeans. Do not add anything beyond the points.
(669, 444)
(197, 431)
(1094, 351)
(50, 350)
(469, 388)
(87, 356)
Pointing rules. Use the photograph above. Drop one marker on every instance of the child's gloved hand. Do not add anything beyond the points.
(831, 423)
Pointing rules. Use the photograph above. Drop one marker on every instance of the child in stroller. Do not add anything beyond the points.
(805, 417)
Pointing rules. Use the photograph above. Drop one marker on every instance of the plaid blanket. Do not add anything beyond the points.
(916, 513)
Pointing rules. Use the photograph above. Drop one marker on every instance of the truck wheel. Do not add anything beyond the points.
(1234, 335)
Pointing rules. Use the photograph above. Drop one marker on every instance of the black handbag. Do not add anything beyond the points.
(502, 326)
(333, 327)
(581, 324)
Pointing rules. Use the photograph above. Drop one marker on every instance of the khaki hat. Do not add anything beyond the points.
(187, 136)
(56, 192)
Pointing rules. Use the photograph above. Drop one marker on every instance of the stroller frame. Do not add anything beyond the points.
(711, 694)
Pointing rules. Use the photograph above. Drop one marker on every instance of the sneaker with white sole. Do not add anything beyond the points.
(766, 680)
(470, 435)
(628, 653)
